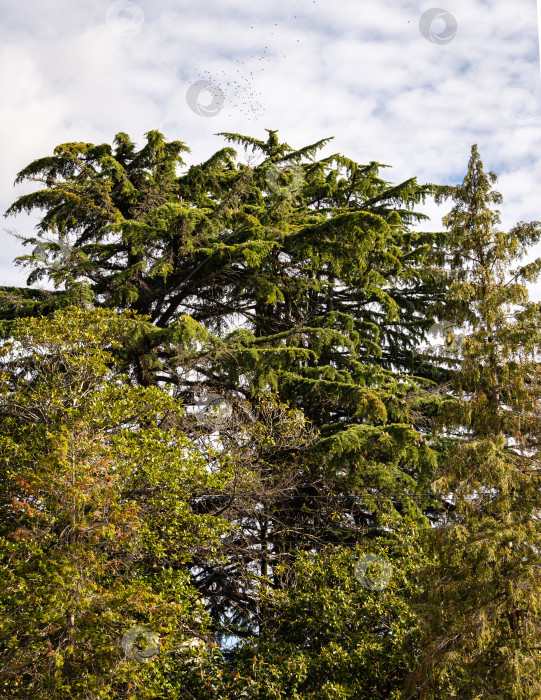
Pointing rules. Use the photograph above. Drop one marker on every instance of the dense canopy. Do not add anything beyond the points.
(353, 449)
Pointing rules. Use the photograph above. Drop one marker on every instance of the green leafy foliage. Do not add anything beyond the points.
(292, 289)
(97, 530)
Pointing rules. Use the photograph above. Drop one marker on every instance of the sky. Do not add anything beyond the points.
(408, 84)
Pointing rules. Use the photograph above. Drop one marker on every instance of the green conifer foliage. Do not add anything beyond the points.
(327, 290)
(481, 604)
(285, 275)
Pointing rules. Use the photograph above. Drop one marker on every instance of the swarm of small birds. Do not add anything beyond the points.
(239, 91)
(238, 87)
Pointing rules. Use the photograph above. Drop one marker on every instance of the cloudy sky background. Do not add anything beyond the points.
(392, 82)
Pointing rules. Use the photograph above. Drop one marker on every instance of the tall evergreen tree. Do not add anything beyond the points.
(315, 289)
(481, 604)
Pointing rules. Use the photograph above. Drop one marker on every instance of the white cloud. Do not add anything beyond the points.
(359, 70)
